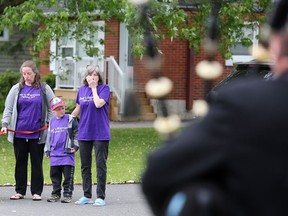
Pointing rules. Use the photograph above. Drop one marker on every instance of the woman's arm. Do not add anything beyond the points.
(99, 102)
(76, 111)
(49, 96)
(9, 103)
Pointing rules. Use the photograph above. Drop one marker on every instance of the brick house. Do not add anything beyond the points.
(117, 64)
(179, 66)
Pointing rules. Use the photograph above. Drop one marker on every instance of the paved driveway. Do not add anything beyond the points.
(122, 200)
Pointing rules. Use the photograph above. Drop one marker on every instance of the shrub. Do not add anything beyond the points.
(70, 105)
(7, 80)
(50, 80)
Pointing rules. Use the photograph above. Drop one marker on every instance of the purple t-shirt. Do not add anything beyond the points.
(29, 108)
(58, 136)
(94, 122)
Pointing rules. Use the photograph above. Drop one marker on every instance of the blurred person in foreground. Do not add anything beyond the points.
(234, 161)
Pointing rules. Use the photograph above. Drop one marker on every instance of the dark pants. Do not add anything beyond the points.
(22, 148)
(101, 153)
(56, 178)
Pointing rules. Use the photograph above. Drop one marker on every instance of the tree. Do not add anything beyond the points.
(184, 19)
(4, 4)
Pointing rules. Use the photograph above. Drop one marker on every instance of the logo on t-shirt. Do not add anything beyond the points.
(58, 129)
(29, 96)
(86, 98)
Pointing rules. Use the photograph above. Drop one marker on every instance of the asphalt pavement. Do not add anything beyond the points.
(121, 200)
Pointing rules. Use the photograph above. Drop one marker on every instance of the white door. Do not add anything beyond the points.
(125, 55)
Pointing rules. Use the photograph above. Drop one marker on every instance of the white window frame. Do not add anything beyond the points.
(5, 36)
(248, 57)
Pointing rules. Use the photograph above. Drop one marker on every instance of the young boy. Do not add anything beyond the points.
(61, 144)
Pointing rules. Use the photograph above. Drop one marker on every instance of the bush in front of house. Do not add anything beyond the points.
(70, 105)
(7, 80)
(50, 80)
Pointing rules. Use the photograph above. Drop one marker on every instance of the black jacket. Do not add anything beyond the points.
(241, 146)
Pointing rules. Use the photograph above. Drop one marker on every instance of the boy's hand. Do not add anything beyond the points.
(73, 150)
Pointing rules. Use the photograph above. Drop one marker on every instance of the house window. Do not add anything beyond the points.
(241, 53)
(4, 35)
(67, 47)
(67, 52)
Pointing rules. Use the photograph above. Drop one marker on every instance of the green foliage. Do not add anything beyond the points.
(127, 156)
(70, 105)
(50, 80)
(166, 20)
(7, 80)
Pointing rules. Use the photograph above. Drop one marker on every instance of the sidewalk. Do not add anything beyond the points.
(131, 124)
(122, 200)
(141, 124)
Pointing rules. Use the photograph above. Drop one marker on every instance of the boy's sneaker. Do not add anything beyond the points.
(53, 198)
(66, 199)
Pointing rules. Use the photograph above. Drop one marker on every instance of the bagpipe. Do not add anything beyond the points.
(201, 198)
(206, 198)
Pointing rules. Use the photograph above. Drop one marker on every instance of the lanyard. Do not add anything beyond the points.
(26, 132)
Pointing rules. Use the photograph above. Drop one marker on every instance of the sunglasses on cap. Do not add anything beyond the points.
(56, 102)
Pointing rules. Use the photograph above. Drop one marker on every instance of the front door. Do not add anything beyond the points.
(125, 55)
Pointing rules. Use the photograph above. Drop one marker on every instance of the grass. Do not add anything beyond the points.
(128, 150)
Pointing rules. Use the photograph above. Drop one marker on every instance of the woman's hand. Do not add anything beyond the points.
(92, 84)
(4, 130)
(92, 81)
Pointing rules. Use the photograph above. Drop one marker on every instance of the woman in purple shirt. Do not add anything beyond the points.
(27, 109)
(92, 103)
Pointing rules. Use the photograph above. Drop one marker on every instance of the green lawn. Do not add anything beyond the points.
(127, 156)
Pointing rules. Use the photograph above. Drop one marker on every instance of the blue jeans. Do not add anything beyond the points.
(101, 154)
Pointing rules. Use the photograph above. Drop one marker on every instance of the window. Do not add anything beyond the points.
(67, 46)
(4, 35)
(241, 53)
(97, 37)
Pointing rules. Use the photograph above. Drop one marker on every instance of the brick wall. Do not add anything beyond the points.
(112, 39)
(177, 66)
(44, 61)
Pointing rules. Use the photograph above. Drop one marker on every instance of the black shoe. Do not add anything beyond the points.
(53, 198)
(66, 200)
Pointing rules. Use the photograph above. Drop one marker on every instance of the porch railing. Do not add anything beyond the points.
(116, 80)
